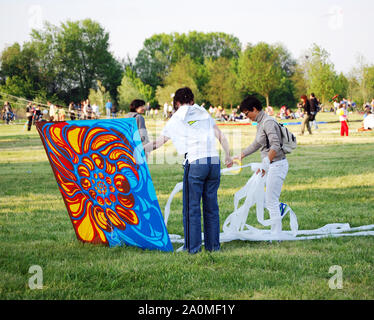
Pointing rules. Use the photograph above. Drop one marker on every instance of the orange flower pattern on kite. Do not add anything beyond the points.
(87, 162)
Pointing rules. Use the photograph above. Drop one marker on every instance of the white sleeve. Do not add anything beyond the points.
(212, 121)
(169, 129)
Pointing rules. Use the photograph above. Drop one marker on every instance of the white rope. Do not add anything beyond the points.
(15, 97)
(235, 227)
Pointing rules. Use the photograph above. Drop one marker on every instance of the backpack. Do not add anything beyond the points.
(288, 142)
(318, 107)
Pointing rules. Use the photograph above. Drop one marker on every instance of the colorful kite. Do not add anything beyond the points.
(105, 182)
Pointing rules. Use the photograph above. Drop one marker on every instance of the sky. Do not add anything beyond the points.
(341, 27)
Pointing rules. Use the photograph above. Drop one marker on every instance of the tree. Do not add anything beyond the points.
(73, 56)
(153, 60)
(220, 89)
(99, 96)
(82, 47)
(43, 43)
(127, 92)
(341, 85)
(284, 94)
(145, 90)
(182, 74)
(161, 51)
(18, 87)
(10, 61)
(352, 90)
(260, 69)
(61, 62)
(321, 75)
(299, 79)
(369, 80)
(19, 71)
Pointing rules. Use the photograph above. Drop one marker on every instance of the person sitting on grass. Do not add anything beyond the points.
(368, 122)
(282, 113)
(269, 111)
(233, 115)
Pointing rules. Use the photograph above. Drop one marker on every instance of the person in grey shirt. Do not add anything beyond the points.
(274, 163)
(137, 108)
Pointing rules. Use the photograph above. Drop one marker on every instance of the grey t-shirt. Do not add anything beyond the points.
(141, 126)
(266, 126)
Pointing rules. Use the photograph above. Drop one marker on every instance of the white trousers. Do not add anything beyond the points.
(276, 174)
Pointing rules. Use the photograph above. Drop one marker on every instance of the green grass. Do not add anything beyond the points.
(330, 180)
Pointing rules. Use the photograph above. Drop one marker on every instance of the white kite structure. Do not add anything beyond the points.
(253, 193)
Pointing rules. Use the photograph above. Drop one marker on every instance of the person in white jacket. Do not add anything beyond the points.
(194, 133)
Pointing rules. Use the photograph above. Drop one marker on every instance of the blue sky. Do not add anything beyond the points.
(341, 27)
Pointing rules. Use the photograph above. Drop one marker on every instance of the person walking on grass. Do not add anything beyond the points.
(29, 115)
(307, 115)
(268, 141)
(314, 109)
(193, 132)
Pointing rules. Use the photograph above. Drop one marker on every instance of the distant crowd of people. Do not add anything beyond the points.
(76, 111)
(307, 110)
(54, 112)
(219, 114)
(80, 111)
(343, 107)
(33, 114)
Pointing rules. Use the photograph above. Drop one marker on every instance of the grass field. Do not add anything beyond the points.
(331, 180)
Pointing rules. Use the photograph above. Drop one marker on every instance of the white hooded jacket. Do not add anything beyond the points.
(191, 130)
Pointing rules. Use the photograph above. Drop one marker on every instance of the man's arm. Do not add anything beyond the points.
(153, 145)
(225, 145)
(249, 150)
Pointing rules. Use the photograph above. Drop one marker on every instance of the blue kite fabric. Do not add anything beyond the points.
(105, 182)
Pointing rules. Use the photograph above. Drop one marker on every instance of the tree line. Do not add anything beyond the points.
(73, 61)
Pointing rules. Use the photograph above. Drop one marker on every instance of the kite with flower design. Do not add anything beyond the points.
(105, 183)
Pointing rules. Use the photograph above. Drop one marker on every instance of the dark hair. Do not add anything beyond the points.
(249, 103)
(135, 104)
(312, 94)
(183, 96)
